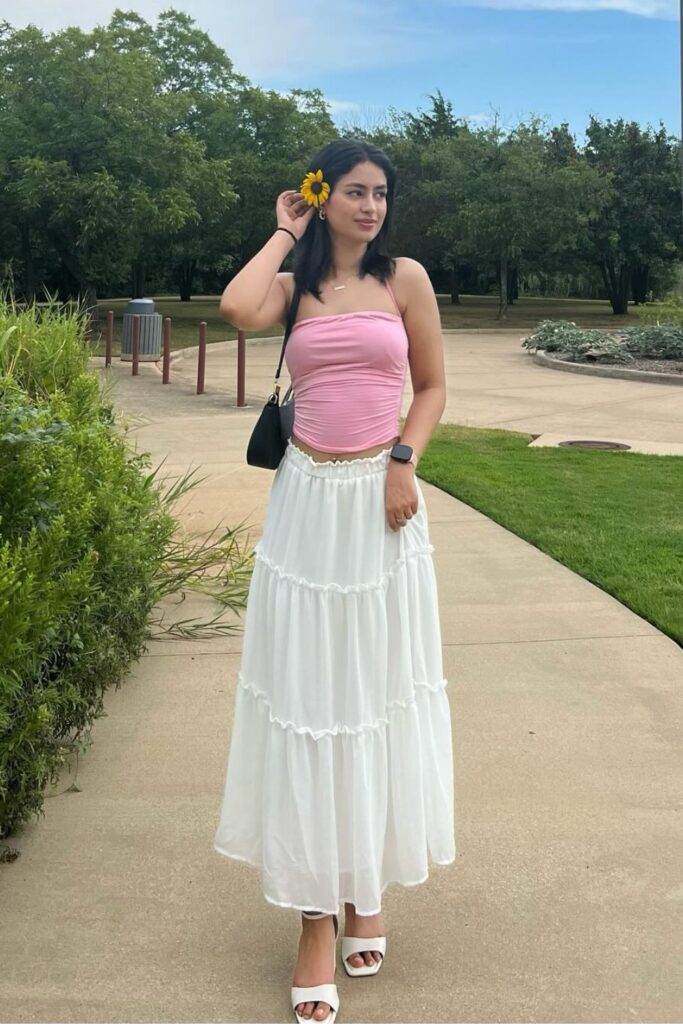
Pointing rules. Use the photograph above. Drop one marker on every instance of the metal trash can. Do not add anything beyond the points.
(150, 331)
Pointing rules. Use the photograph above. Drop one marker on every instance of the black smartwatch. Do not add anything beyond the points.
(403, 453)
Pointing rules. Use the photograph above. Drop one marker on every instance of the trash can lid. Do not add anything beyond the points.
(142, 306)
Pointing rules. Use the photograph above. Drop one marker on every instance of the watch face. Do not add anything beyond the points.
(402, 452)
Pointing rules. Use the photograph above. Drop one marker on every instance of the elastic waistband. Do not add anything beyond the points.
(338, 469)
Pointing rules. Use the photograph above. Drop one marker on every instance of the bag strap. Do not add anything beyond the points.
(291, 313)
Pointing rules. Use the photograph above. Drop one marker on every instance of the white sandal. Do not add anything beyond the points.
(326, 993)
(351, 944)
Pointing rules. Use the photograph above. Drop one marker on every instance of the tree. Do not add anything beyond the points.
(639, 223)
(104, 166)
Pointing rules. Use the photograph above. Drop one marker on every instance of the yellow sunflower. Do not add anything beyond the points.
(314, 190)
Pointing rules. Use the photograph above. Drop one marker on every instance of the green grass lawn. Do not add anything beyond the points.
(473, 311)
(612, 517)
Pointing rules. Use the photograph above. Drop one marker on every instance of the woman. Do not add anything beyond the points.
(340, 771)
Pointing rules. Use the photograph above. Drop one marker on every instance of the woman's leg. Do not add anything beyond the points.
(315, 962)
(362, 926)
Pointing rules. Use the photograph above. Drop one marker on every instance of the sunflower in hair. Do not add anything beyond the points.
(314, 190)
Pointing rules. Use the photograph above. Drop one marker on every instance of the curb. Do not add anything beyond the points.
(484, 330)
(192, 350)
(177, 356)
(541, 356)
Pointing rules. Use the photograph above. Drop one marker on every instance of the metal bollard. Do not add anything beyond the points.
(167, 351)
(201, 362)
(109, 338)
(136, 345)
(241, 367)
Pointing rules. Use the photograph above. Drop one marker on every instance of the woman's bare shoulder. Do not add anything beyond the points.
(407, 276)
(408, 269)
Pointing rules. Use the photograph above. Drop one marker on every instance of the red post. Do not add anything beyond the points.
(167, 351)
(136, 344)
(201, 363)
(241, 366)
(109, 338)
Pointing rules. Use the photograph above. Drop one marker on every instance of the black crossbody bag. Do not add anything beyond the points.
(273, 428)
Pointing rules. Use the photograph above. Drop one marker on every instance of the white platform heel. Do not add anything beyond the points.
(326, 993)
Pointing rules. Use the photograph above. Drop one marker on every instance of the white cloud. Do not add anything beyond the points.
(293, 42)
(665, 9)
(479, 119)
(52, 15)
(270, 39)
(341, 106)
(335, 106)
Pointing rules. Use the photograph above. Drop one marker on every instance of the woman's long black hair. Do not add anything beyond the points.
(313, 253)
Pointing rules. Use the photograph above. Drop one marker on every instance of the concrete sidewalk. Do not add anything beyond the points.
(566, 899)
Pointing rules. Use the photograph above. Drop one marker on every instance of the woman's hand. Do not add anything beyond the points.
(400, 493)
(293, 212)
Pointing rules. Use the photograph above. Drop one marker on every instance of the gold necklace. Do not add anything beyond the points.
(338, 287)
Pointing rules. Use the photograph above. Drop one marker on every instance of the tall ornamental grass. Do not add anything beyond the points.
(42, 348)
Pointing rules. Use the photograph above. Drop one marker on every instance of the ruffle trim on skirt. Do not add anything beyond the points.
(356, 588)
(336, 470)
(338, 728)
(342, 899)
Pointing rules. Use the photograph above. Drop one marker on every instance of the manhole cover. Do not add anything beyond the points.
(594, 444)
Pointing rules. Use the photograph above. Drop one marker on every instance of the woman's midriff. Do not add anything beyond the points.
(320, 456)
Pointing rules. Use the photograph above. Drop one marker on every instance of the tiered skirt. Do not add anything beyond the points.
(340, 766)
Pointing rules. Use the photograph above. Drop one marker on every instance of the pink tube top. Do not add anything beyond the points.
(348, 371)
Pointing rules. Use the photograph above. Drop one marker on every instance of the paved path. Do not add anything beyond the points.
(566, 900)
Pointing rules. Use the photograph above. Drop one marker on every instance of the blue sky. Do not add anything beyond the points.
(560, 59)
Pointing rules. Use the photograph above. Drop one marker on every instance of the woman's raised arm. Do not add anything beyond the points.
(256, 296)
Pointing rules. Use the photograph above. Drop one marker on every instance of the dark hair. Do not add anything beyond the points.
(313, 253)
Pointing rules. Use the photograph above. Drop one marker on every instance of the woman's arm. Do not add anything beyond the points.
(425, 355)
(257, 296)
(428, 376)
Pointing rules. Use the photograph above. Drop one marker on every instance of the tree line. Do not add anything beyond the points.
(135, 158)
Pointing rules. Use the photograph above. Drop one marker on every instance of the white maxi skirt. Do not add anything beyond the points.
(340, 767)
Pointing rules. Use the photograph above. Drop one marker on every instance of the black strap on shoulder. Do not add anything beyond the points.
(291, 314)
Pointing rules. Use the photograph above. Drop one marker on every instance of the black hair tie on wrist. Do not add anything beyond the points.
(288, 232)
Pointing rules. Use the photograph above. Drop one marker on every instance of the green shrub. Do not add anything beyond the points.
(81, 539)
(656, 341)
(653, 341)
(88, 547)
